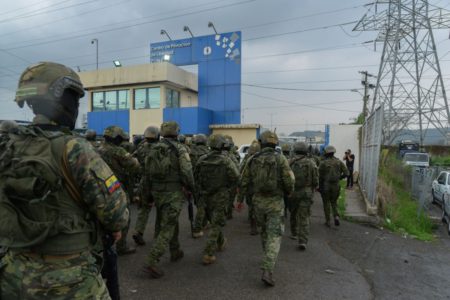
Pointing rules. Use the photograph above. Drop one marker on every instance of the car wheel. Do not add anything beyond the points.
(433, 198)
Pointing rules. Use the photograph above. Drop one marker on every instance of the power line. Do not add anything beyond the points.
(297, 89)
(28, 6)
(290, 106)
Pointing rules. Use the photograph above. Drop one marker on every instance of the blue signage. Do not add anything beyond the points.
(219, 73)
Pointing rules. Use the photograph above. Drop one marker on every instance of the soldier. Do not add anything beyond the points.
(151, 137)
(286, 150)
(183, 141)
(228, 148)
(74, 191)
(168, 175)
(270, 176)
(331, 171)
(214, 173)
(126, 144)
(252, 150)
(306, 181)
(91, 136)
(123, 166)
(198, 149)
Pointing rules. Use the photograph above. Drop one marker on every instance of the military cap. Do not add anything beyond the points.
(216, 141)
(268, 137)
(300, 147)
(113, 132)
(330, 149)
(170, 129)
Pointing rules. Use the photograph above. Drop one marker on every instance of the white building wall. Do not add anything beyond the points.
(344, 137)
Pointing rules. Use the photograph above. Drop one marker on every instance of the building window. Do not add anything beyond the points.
(148, 98)
(172, 98)
(110, 100)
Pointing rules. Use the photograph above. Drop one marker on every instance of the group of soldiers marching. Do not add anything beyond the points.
(63, 201)
(209, 172)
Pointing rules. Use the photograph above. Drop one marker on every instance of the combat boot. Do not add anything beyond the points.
(139, 239)
(208, 259)
(253, 227)
(267, 278)
(176, 255)
(336, 221)
(197, 235)
(153, 271)
(222, 246)
(302, 246)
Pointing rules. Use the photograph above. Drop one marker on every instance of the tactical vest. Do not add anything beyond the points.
(301, 166)
(265, 172)
(163, 166)
(212, 173)
(330, 170)
(37, 211)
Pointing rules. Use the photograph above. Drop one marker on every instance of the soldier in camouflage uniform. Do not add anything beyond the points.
(214, 173)
(168, 175)
(184, 142)
(91, 137)
(306, 181)
(55, 261)
(270, 176)
(123, 166)
(231, 152)
(151, 137)
(331, 171)
(286, 150)
(252, 150)
(198, 149)
(126, 144)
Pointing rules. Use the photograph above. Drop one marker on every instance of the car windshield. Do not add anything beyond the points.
(418, 157)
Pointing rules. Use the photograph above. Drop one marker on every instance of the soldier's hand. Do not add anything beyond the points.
(117, 235)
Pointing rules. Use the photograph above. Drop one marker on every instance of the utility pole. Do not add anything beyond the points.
(367, 86)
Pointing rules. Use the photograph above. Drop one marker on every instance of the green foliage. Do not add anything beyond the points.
(440, 161)
(341, 199)
(401, 213)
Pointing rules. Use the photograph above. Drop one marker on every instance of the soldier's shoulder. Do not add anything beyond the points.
(77, 145)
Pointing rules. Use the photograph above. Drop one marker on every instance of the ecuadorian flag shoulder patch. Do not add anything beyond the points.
(112, 184)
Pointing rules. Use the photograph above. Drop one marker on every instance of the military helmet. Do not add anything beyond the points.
(200, 139)
(300, 147)
(90, 135)
(7, 125)
(286, 148)
(152, 132)
(47, 81)
(268, 137)
(170, 129)
(216, 141)
(114, 132)
(182, 138)
(330, 149)
(254, 148)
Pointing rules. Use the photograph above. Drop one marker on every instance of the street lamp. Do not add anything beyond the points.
(117, 63)
(211, 25)
(166, 57)
(95, 41)
(185, 28)
(163, 32)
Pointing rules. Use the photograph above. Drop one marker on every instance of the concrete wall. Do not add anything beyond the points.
(240, 134)
(344, 137)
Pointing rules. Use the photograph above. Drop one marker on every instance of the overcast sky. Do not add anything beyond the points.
(280, 48)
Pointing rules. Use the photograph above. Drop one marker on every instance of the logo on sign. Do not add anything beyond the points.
(207, 51)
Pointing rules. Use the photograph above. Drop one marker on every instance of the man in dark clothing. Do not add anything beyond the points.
(349, 162)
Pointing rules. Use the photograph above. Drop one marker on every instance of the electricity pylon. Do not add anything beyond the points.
(409, 81)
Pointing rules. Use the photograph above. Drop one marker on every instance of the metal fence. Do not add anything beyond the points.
(421, 181)
(370, 155)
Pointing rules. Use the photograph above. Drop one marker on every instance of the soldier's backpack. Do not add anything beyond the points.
(211, 173)
(301, 167)
(161, 161)
(331, 171)
(265, 170)
(31, 183)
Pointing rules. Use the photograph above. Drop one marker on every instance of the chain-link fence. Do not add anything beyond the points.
(421, 180)
(370, 155)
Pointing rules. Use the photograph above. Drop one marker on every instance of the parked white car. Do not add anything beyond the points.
(416, 159)
(440, 191)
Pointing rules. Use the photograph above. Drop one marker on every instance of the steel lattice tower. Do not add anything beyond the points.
(409, 81)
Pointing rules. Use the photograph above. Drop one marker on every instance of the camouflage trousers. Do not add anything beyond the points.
(28, 277)
(215, 207)
(122, 243)
(330, 194)
(168, 208)
(144, 210)
(201, 217)
(300, 211)
(251, 208)
(269, 212)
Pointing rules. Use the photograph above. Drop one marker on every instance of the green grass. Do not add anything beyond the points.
(341, 199)
(402, 213)
(440, 161)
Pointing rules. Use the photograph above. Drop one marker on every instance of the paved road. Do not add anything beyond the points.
(351, 262)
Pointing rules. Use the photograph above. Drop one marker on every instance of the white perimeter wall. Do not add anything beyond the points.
(345, 137)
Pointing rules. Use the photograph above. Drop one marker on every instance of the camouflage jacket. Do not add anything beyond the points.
(129, 147)
(331, 170)
(305, 171)
(286, 179)
(120, 161)
(196, 152)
